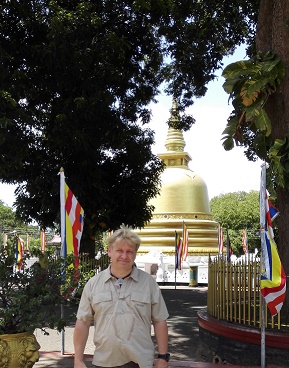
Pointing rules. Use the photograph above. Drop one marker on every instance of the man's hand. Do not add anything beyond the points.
(80, 364)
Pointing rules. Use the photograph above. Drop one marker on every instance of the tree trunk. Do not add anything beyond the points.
(87, 244)
(273, 34)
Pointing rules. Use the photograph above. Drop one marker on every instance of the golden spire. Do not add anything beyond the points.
(175, 140)
(183, 198)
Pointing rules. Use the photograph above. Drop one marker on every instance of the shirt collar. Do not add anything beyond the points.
(134, 274)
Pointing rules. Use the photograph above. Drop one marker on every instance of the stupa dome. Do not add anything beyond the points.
(183, 199)
(183, 191)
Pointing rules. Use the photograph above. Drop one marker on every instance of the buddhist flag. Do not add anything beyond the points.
(245, 241)
(42, 241)
(19, 249)
(273, 277)
(185, 242)
(71, 220)
(221, 240)
(178, 245)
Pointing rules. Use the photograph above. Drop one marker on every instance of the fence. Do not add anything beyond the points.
(234, 293)
(94, 264)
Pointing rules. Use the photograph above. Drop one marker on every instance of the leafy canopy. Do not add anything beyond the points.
(236, 212)
(76, 78)
(250, 84)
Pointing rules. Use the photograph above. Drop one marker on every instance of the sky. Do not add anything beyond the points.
(223, 171)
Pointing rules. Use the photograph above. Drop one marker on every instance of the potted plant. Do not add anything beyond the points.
(30, 298)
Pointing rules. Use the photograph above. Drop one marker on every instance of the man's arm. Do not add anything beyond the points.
(161, 333)
(80, 336)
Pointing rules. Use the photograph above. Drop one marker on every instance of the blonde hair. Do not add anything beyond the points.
(124, 233)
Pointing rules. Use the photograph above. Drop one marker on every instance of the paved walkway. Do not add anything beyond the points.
(183, 304)
(55, 360)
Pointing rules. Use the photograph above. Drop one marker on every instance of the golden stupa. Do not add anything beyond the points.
(183, 199)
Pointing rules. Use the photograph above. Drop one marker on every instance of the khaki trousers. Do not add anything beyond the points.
(127, 365)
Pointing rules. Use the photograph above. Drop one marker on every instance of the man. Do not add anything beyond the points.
(123, 301)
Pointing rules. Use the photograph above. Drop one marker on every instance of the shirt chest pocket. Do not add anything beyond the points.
(102, 302)
(141, 302)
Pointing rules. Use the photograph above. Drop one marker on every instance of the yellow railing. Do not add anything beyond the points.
(234, 293)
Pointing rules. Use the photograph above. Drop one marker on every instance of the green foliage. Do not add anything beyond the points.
(76, 80)
(11, 224)
(249, 84)
(75, 281)
(236, 212)
(8, 218)
(279, 160)
(30, 298)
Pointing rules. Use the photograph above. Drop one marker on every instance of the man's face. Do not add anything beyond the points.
(122, 254)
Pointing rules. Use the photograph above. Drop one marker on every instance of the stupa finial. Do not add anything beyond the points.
(175, 140)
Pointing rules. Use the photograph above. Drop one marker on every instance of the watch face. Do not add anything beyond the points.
(167, 357)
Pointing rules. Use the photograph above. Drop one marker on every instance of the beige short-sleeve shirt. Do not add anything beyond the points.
(122, 317)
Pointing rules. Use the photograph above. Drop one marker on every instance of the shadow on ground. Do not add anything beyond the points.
(183, 305)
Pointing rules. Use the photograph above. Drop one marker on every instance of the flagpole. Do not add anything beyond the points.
(184, 240)
(62, 251)
(62, 212)
(263, 245)
(176, 259)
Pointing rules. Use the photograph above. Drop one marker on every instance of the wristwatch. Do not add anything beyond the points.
(166, 357)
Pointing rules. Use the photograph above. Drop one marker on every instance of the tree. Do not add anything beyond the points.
(236, 212)
(11, 225)
(269, 140)
(8, 220)
(75, 81)
(273, 35)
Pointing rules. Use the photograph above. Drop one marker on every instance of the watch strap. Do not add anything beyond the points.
(166, 357)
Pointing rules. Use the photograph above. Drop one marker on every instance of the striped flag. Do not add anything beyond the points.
(185, 242)
(42, 241)
(179, 248)
(71, 220)
(221, 240)
(19, 249)
(245, 241)
(273, 278)
(271, 214)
